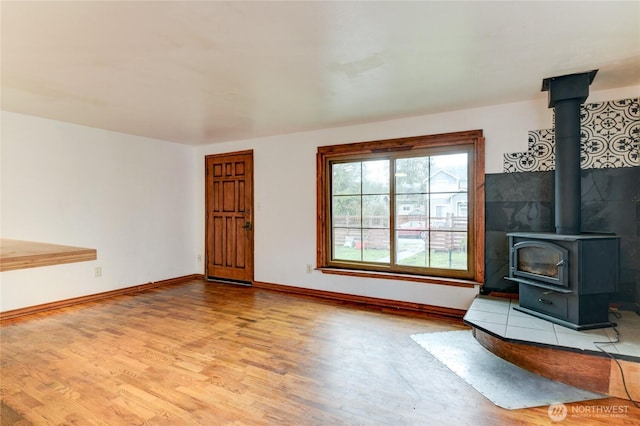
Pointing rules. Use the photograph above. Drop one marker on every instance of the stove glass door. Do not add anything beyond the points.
(540, 261)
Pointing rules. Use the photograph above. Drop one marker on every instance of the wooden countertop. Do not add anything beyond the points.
(18, 254)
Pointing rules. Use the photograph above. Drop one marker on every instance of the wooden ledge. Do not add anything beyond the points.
(17, 254)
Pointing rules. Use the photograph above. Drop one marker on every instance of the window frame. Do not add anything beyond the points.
(472, 140)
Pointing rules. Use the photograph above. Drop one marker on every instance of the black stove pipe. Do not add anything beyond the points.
(566, 94)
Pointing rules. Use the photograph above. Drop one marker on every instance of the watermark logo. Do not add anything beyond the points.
(557, 412)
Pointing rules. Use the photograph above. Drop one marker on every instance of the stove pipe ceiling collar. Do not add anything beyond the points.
(566, 94)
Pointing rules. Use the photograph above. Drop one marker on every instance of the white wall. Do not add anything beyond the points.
(131, 198)
(285, 206)
(140, 202)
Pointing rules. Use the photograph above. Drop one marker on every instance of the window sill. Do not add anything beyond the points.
(401, 277)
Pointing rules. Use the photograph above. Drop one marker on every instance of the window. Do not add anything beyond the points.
(411, 207)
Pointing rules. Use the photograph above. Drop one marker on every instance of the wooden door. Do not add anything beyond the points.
(229, 219)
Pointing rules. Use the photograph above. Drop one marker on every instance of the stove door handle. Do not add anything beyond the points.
(545, 301)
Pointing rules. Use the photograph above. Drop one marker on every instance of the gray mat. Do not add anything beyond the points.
(505, 384)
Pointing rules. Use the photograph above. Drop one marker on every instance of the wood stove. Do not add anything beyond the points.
(566, 277)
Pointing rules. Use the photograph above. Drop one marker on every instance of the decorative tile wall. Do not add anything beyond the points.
(521, 198)
(609, 136)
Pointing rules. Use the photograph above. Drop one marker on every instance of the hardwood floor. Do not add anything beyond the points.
(210, 354)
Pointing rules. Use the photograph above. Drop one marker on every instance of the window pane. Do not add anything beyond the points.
(375, 211)
(376, 245)
(347, 244)
(431, 211)
(375, 177)
(448, 173)
(346, 178)
(411, 204)
(439, 249)
(449, 211)
(459, 217)
(360, 222)
(347, 211)
(448, 250)
(412, 248)
(346, 227)
(411, 212)
(369, 245)
(411, 175)
(376, 223)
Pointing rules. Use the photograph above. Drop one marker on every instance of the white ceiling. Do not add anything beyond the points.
(204, 72)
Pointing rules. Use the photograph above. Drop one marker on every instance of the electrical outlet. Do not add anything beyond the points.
(199, 258)
(309, 268)
(98, 271)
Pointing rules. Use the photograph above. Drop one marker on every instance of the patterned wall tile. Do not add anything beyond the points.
(540, 156)
(609, 136)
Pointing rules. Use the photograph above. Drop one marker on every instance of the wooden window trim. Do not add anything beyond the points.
(326, 153)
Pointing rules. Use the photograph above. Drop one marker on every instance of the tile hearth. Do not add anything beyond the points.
(498, 317)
